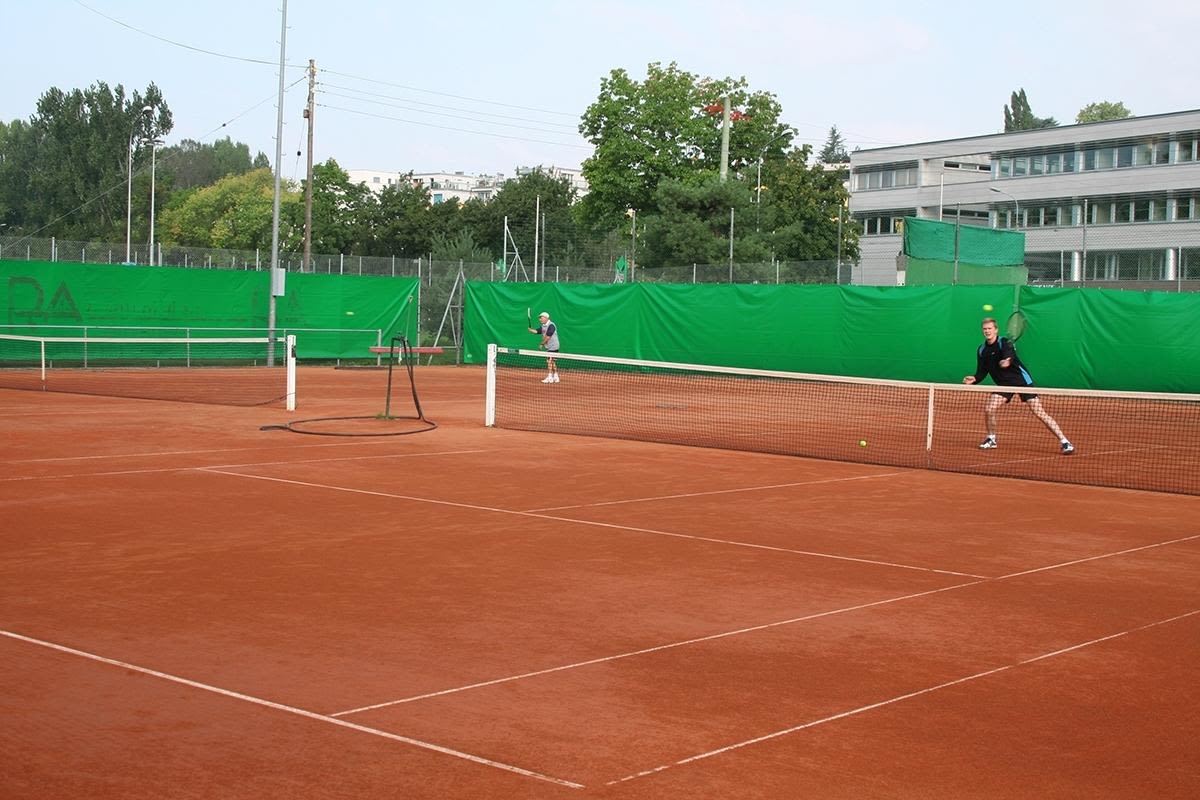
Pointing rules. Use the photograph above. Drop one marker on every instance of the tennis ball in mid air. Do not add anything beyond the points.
(987, 306)
(349, 313)
(862, 442)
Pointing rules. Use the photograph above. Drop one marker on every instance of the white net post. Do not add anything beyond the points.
(489, 407)
(291, 372)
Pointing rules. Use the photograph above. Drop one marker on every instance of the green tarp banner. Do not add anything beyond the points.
(58, 298)
(933, 239)
(926, 272)
(1079, 338)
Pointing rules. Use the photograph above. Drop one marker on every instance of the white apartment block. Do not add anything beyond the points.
(442, 185)
(1100, 203)
(461, 186)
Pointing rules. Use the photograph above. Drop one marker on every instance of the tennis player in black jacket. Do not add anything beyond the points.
(997, 357)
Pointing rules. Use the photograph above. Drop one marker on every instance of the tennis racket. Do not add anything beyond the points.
(529, 317)
(1015, 325)
(1016, 320)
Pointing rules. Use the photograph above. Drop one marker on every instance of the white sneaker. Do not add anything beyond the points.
(548, 379)
(555, 376)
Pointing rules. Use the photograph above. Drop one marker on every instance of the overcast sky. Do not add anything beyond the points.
(488, 86)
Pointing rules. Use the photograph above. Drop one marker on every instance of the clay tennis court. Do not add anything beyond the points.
(191, 606)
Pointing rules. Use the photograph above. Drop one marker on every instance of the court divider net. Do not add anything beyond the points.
(1133, 440)
(216, 370)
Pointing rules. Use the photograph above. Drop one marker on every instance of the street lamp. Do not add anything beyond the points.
(1017, 221)
(129, 186)
(758, 180)
(154, 143)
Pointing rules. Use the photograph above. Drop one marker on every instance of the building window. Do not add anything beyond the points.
(1185, 149)
(1006, 165)
(1162, 152)
(1183, 208)
(1143, 154)
(1102, 213)
(1020, 166)
(1068, 161)
(1053, 163)
(375, 179)
(1105, 158)
(1123, 211)
(1036, 164)
(1089, 159)
(1125, 155)
(1141, 210)
(1158, 210)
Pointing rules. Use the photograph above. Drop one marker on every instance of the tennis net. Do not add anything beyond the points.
(217, 370)
(1132, 440)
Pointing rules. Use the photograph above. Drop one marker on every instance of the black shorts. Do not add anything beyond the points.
(1008, 396)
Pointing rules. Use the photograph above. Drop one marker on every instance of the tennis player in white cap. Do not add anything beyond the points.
(549, 333)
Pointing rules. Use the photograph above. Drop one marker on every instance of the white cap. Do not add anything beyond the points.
(545, 314)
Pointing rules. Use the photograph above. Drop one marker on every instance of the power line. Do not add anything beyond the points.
(451, 116)
(174, 43)
(447, 94)
(570, 125)
(448, 128)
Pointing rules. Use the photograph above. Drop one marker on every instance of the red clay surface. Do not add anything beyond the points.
(193, 607)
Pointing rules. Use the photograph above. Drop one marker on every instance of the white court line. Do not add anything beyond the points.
(898, 698)
(721, 491)
(656, 649)
(1076, 456)
(591, 523)
(1097, 558)
(293, 710)
(189, 452)
(217, 467)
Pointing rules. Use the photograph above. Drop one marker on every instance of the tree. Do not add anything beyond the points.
(1020, 117)
(801, 206)
(397, 220)
(235, 212)
(340, 219)
(63, 172)
(520, 199)
(1102, 111)
(834, 151)
(661, 129)
(691, 225)
(191, 164)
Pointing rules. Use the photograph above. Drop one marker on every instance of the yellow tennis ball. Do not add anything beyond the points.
(862, 442)
(349, 313)
(987, 306)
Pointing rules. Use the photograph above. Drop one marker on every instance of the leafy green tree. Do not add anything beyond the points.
(398, 220)
(801, 204)
(65, 170)
(521, 199)
(191, 164)
(834, 151)
(691, 225)
(1102, 111)
(459, 247)
(1020, 117)
(235, 212)
(341, 216)
(662, 129)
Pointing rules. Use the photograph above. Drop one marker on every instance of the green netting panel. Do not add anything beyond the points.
(987, 247)
(57, 298)
(929, 272)
(1078, 338)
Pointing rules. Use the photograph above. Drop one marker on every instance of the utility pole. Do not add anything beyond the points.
(276, 272)
(308, 183)
(725, 142)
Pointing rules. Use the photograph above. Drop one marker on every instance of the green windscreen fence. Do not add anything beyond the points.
(333, 316)
(941, 253)
(1075, 338)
